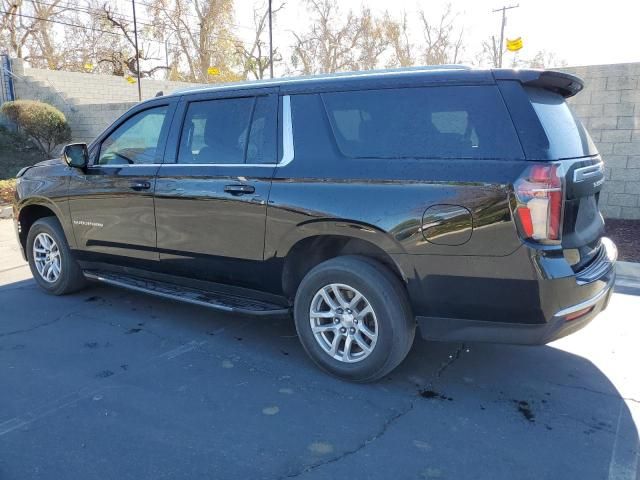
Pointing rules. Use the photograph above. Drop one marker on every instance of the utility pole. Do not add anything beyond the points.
(166, 58)
(135, 36)
(504, 22)
(270, 41)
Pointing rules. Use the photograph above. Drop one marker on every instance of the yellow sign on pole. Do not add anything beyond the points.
(514, 45)
(88, 67)
(130, 79)
(213, 71)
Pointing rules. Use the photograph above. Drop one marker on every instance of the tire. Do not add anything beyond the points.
(69, 278)
(391, 319)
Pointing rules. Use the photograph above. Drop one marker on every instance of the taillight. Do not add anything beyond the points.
(539, 195)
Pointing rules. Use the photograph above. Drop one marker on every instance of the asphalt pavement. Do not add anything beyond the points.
(110, 384)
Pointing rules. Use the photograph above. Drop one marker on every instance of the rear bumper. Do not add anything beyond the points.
(585, 302)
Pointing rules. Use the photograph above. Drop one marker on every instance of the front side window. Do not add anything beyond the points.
(228, 131)
(136, 140)
(423, 122)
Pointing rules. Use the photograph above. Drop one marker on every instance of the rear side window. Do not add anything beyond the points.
(229, 131)
(565, 135)
(424, 122)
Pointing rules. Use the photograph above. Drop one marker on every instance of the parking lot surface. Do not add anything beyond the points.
(110, 384)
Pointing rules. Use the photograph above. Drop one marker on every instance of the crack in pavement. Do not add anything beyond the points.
(453, 358)
(598, 392)
(368, 441)
(40, 325)
(49, 322)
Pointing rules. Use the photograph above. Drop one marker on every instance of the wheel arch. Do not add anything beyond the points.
(329, 240)
(33, 210)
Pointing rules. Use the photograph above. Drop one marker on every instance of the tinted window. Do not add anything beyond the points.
(228, 131)
(565, 135)
(136, 140)
(436, 122)
(261, 147)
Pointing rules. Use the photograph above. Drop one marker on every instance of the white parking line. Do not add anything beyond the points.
(624, 457)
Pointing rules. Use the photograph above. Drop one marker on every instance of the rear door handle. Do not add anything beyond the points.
(239, 189)
(140, 185)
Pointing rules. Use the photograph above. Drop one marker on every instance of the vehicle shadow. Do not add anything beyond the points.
(520, 403)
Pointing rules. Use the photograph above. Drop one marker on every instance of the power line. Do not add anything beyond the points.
(74, 25)
(69, 6)
(90, 11)
(198, 18)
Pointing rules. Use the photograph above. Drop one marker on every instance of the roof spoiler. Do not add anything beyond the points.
(562, 83)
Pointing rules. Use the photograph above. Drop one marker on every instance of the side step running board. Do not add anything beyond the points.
(217, 300)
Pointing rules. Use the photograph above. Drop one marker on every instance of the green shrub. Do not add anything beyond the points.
(43, 123)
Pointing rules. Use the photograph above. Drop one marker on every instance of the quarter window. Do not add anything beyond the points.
(229, 131)
(423, 122)
(136, 140)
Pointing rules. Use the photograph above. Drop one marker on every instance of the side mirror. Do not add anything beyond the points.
(76, 155)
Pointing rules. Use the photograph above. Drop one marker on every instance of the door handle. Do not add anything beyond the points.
(239, 189)
(140, 185)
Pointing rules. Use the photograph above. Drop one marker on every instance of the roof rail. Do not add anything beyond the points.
(323, 76)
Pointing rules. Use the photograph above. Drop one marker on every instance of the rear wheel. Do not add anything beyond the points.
(50, 259)
(353, 318)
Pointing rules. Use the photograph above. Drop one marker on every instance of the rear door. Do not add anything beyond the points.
(212, 191)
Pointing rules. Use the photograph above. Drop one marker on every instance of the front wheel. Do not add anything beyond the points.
(50, 259)
(353, 318)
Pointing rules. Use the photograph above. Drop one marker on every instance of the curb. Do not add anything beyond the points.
(6, 211)
(630, 270)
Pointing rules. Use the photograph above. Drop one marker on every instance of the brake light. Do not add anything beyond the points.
(539, 195)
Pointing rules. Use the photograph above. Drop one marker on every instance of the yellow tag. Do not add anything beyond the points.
(88, 67)
(213, 71)
(514, 45)
(130, 79)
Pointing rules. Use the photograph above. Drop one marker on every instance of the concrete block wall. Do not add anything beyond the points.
(89, 88)
(91, 102)
(609, 106)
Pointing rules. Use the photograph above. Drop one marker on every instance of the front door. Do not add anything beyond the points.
(111, 201)
(211, 201)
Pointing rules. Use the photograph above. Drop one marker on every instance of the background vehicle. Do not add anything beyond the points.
(465, 199)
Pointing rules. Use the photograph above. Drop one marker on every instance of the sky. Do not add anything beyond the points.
(583, 32)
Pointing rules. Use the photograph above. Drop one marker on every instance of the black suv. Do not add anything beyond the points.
(461, 200)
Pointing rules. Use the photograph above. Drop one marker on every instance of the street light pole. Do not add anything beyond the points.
(270, 41)
(135, 36)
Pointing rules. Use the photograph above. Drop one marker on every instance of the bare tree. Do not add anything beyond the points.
(329, 45)
(491, 52)
(16, 28)
(202, 32)
(443, 38)
(338, 40)
(45, 50)
(372, 42)
(124, 60)
(255, 57)
(543, 59)
(397, 34)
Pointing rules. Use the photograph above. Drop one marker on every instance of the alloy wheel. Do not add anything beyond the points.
(343, 323)
(46, 255)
